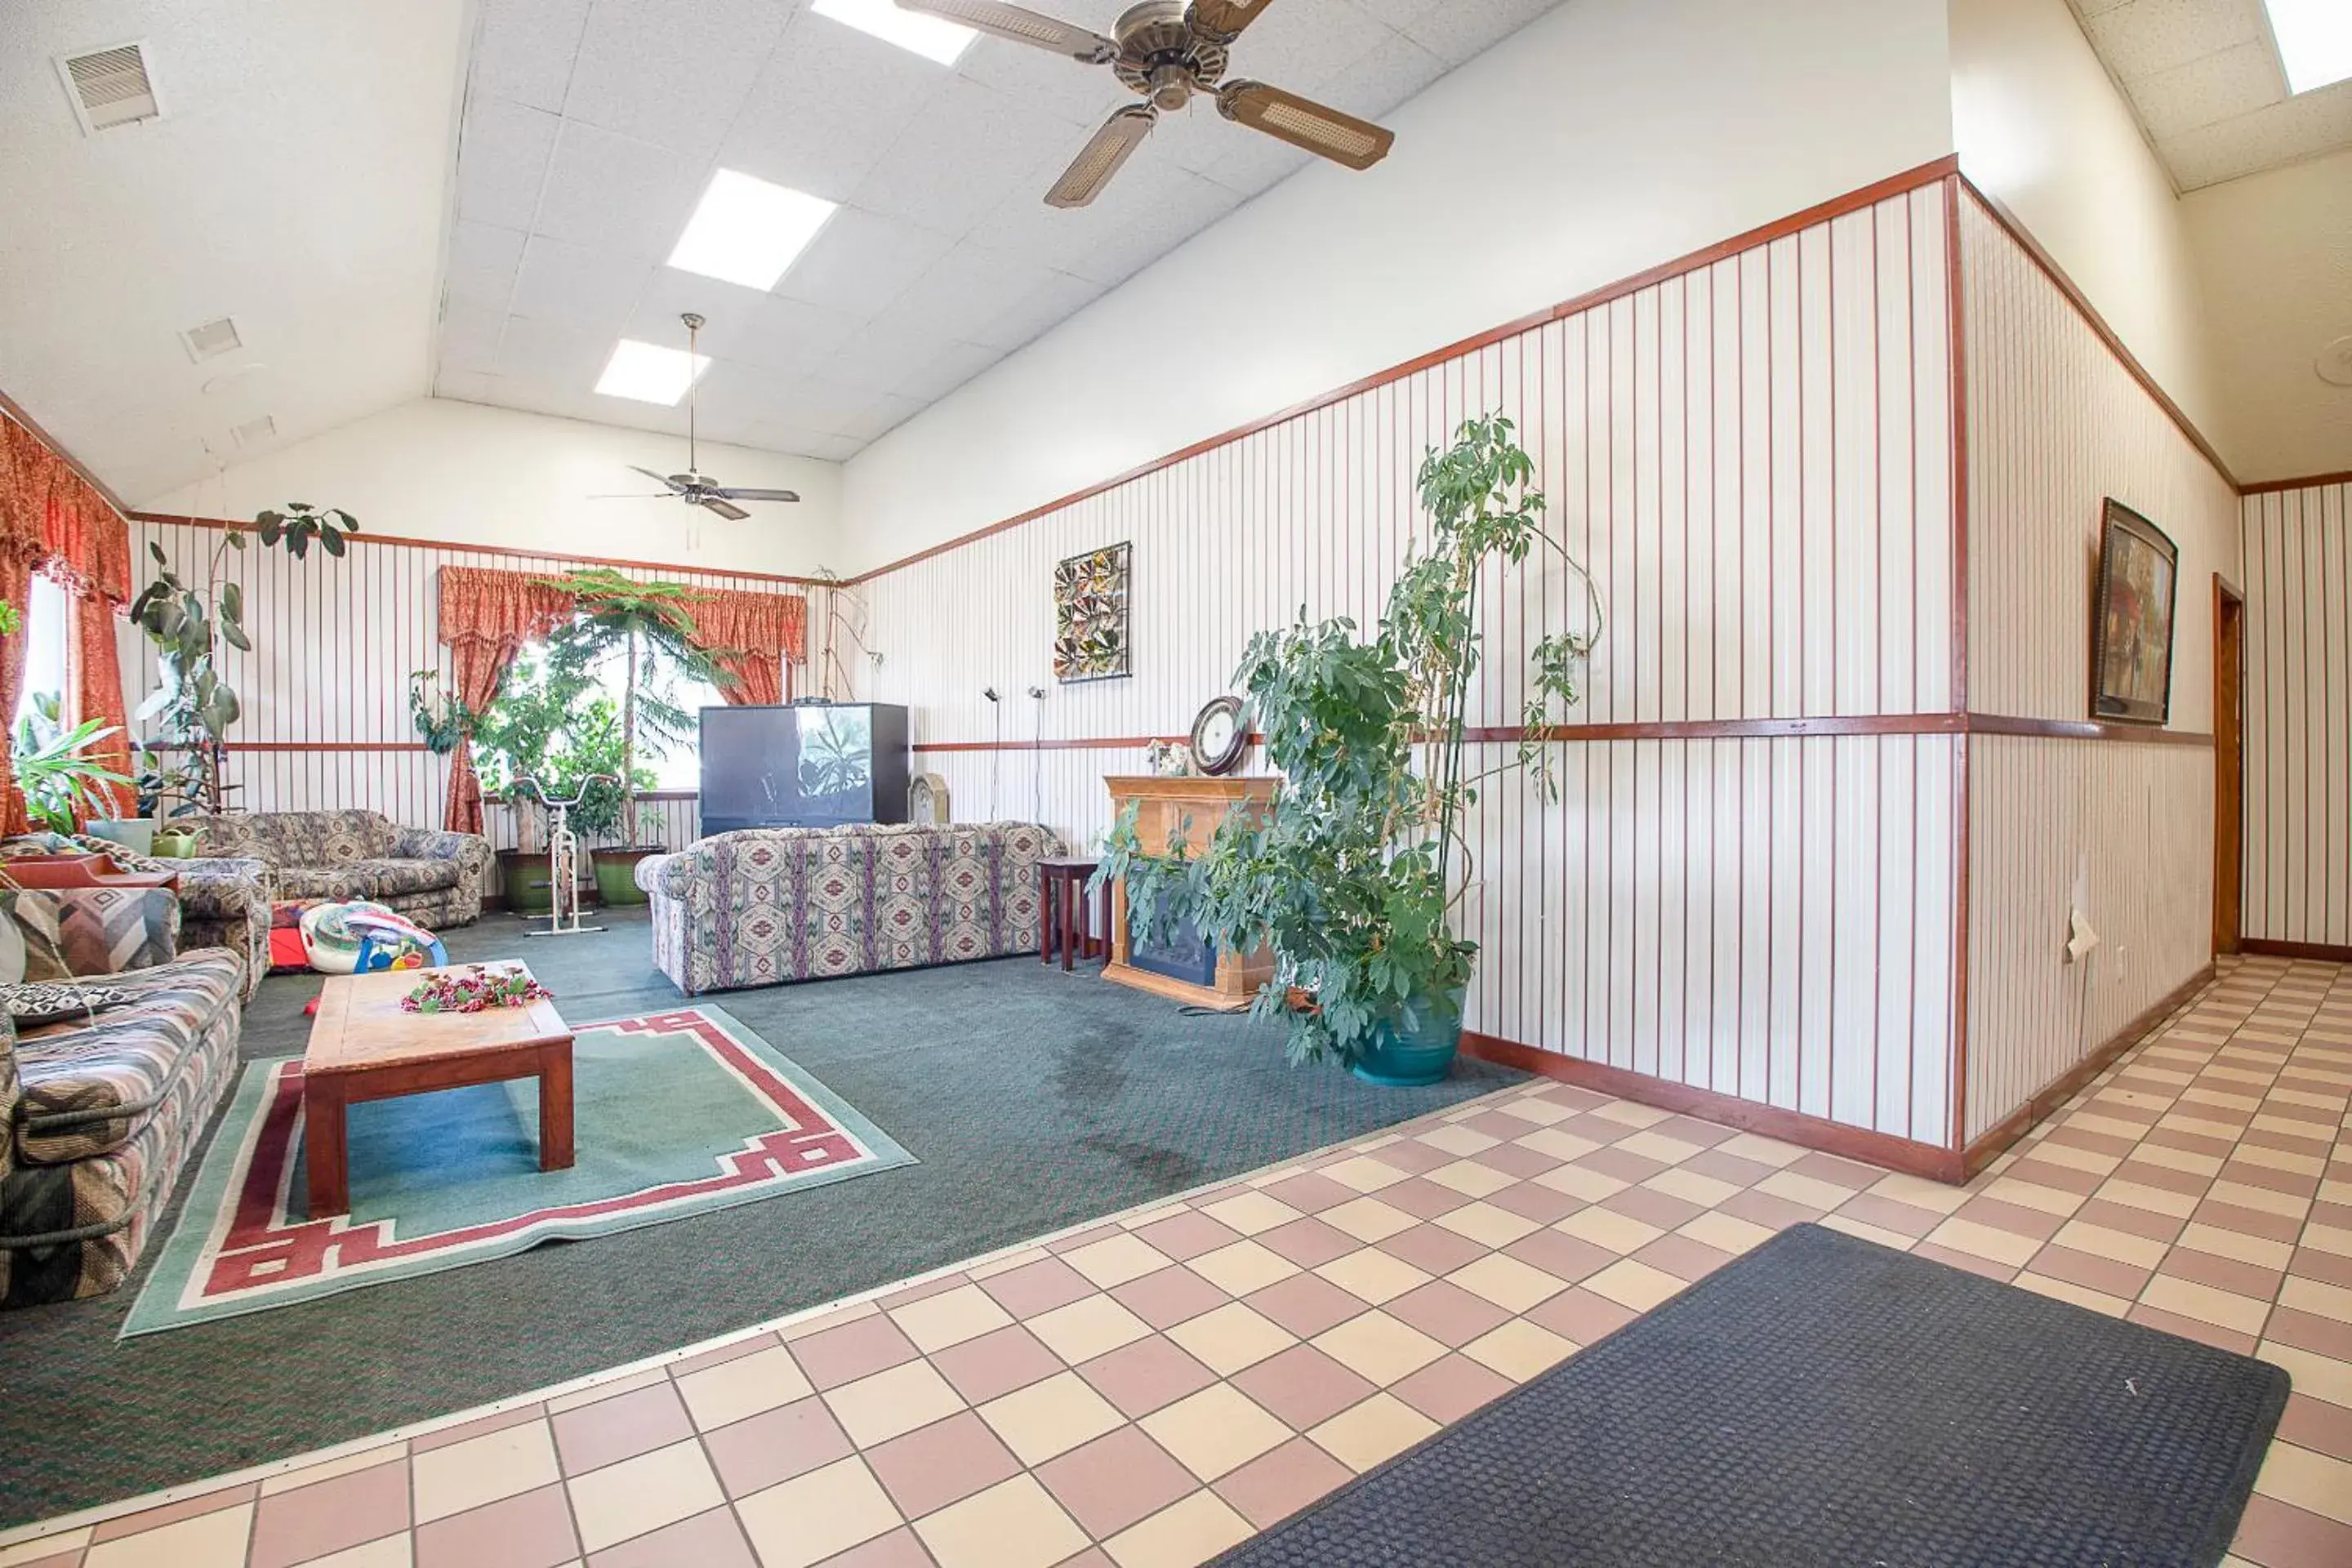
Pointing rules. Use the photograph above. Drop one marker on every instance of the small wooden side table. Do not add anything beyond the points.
(1062, 912)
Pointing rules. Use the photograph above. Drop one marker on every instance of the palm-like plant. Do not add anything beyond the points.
(647, 624)
(61, 781)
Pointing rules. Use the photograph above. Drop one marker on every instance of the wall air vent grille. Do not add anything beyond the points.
(211, 339)
(111, 86)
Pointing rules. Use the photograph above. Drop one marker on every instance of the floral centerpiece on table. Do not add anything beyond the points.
(476, 988)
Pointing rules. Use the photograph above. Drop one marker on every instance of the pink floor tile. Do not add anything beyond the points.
(1189, 1235)
(1512, 1160)
(533, 1530)
(1433, 1248)
(1543, 1204)
(1310, 1243)
(944, 1462)
(1722, 1167)
(1115, 1480)
(2318, 1425)
(1278, 1484)
(900, 1549)
(2278, 1536)
(1888, 1215)
(2051, 1174)
(1451, 1387)
(1651, 1208)
(835, 1356)
(1421, 1198)
(2248, 1222)
(327, 1516)
(1581, 1316)
(776, 1446)
(1303, 1385)
(2327, 1267)
(1306, 1304)
(1849, 1173)
(1691, 1130)
(1037, 1288)
(1308, 1192)
(1683, 1257)
(1412, 1156)
(2129, 1218)
(2310, 1332)
(2122, 1280)
(2193, 1329)
(1168, 1297)
(1620, 1163)
(1446, 1312)
(996, 1363)
(1766, 1209)
(1563, 1256)
(2240, 1279)
(172, 1512)
(619, 1428)
(2014, 1218)
(1142, 1377)
(710, 1540)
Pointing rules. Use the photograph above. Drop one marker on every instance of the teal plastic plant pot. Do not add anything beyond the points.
(616, 877)
(1403, 1058)
(136, 834)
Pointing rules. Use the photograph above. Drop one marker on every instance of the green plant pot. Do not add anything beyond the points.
(617, 876)
(1402, 1058)
(523, 878)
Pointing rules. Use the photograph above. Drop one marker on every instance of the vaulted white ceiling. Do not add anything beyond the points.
(2204, 78)
(591, 128)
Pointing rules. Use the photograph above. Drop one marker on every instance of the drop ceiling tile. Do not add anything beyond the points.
(1059, 297)
(552, 352)
(616, 192)
(1398, 12)
(2217, 87)
(469, 337)
(834, 448)
(1067, 89)
(862, 261)
(816, 403)
(1385, 77)
(880, 416)
(673, 74)
(482, 263)
(502, 157)
(2303, 127)
(2145, 36)
(463, 385)
(1462, 29)
(876, 360)
(777, 436)
(1251, 164)
(1146, 212)
(581, 286)
(964, 156)
(946, 368)
(525, 50)
(826, 108)
(1302, 45)
(971, 284)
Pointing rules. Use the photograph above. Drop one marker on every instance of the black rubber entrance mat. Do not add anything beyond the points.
(1825, 1401)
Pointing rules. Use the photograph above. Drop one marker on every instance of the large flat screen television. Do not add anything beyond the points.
(803, 765)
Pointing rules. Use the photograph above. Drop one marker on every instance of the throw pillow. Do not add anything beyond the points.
(41, 1001)
(74, 932)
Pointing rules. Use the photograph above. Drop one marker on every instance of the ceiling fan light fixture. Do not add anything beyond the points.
(648, 373)
(747, 231)
(2314, 41)
(932, 38)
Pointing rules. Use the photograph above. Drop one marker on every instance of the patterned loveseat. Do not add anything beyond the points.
(769, 905)
(98, 1113)
(433, 878)
(223, 902)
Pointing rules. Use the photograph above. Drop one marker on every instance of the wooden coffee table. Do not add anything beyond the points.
(364, 1046)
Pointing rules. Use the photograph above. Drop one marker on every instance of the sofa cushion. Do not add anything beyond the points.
(89, 1085)
(374, 880)
(44, 1001)
(74, 932)
(297, 837)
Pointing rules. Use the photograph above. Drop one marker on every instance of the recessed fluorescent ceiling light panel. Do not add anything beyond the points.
(2314, 40)
(747, 231)
(927, 36)
(649, 373)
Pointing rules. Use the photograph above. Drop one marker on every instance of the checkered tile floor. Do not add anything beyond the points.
(1151, 1390)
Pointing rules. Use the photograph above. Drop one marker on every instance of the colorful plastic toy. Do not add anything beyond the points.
(360, 938)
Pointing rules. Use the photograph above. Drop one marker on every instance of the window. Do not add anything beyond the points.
(49, 634)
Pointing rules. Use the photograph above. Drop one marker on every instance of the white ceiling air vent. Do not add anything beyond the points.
(253, 432)
(111, 87)
(213, 339)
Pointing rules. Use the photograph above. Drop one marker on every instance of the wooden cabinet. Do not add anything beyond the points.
(1191, 808)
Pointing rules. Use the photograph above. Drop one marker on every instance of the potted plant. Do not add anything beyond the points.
(1354, 876)
(60, 780)
(646, 627)
(514, 739)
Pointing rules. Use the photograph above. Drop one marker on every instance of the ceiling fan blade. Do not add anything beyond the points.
(735, 493)
(1303, 122)
(1021, 27)
(1120, 135)
(675, 487)
(640, 495)
(1224, 19)
(725, 508)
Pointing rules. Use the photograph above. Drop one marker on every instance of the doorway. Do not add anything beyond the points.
(2229, 765)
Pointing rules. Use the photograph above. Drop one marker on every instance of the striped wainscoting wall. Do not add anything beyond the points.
(2298, 585)
(326, 687)
(1745, 888)
(2117, 820)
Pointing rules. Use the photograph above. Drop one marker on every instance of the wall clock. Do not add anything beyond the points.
(1219, 741)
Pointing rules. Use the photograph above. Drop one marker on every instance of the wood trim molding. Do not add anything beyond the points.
(2270, 947)
(410, 541)
(1956, 1089)
(2060, 1089)
(2311, 482)
(2084, 729)
(1882, 1148)
(15, 411)
(1836, 206)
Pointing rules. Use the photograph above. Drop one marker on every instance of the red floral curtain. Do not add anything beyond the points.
(759, 633)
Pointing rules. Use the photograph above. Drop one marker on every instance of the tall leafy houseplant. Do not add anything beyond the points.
(1355, 875)
(188, 623)
(60, 779)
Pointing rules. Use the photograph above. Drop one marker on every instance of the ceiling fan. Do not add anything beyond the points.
(694, 487)
(1168, 50)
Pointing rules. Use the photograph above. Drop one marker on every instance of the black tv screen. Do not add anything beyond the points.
(812, 765)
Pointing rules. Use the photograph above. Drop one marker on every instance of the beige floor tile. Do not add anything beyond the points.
(819, 1515)
(215, 1539)
(2327, 1238)
(1506, 1281)
(2074, 1159)
(1379, 1347)
(1560, 1146)
(745, 1386)
(1691, 1187)
(2203, 1302)
(1634, 1285)
(1182, 1535)
(2067, 1290)
(1013, 1524)
(2172, 1159)
(1530, 1106)
(1051, 1417)
(1230, 1338)
(392, 1552)
(2318, 1297)
(1250, 1213)
(1868, 1232)
(1367, 1219)
(366, 1459)
(2120, 1245)
(1363, 1174)
(1634, 1115)
(2258, 1251)
(1472, 1179)
(1941, 1197)
(966, 1312)
(620, 1501)
(1727, 1233)
(1215, 1431)
(1459, 1141)
(57, 1543)
(877, 1408)
(1519, 1350)
(1802, 1189)
(2315, 1482)
(1762, 1150)
(1618, 1233)
(2154, 1200)
(1372, 1274)
(1088, 1327)
(1577, 1182)
(2116, 1127)
(2033, 1195)
(1380, 1428)
(1488, 1225)
(482, 1469)
(2280, 1160)
(1117, 1260)
(1657, 1146)
(1243, 1267)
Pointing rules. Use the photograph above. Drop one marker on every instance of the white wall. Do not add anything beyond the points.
(1606, 137)
(2042, 129)
(469, 474)
(2274, 257)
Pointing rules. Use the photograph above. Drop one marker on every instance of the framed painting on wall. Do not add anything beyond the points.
(2132, 620)
(1090, 615)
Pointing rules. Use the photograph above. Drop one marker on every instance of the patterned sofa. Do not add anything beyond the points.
(433, 878)
(223, 900)
(769, 905)
(98, 1114)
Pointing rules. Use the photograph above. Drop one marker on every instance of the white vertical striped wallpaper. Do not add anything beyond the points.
(1755, 458)
(2122, 828)
(2298, 585)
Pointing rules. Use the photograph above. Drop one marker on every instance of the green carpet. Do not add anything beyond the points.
(1033, 1100)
